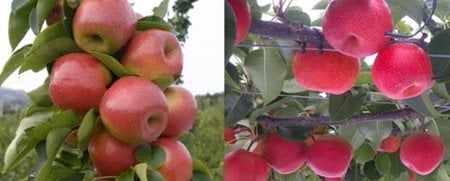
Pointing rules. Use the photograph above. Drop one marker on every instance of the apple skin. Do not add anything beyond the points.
(97, 26)
(78, 82)
(329, 157)
(178, 163)
(229, 136)
(241, 165)
(422, 152)
(357, 37)
(154, 54)
(402, 71)
(109, 155)
(56, 14)
(182, 111)
(134, 110)
(390, 144)
(243, 18)
(285, 157)
(330, 72)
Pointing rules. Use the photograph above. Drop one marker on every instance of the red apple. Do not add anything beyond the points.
(78, 82)
(329, 157)
(134, 110)
(178, 162)
(285, 157)
(109, 155)
(182, 111)
(402, 71)
(243, 18)
(241, 165)
(155, 55)
(348, 26)
(390, 144)
(103, 25)
(229, 136)
(330, 72)
(56, 14)
(422, 152)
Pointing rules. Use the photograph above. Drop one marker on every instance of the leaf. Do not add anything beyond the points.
(39, 96)
(352, 135)
(161, 10)
(267, 70)
(141, 171)
(364, 78)
(370, 171)
(444, 131)
(43, 9)
(295, 13)
(14, 62)
(113, 64)
(201, 171)
(269, 107)
(87, 128)
(237, 107)
(413, 8)
(126, 176)
(397, 166)
(230, 31)
(294, 133)
(441, 90)
(231, 83)
(439, 45)
(375, 131)
(153, 22)
(423, 105)
(67, 119)
(291, 86)
(144, 153)
(364, 153)
(383, 163)
(322, 4)
(153, 155)
(155, 176)
(346, 105)
(18, 21)
(50, 33)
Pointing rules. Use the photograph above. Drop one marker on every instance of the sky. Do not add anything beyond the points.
(203, 50)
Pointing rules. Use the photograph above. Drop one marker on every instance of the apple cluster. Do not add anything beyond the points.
(141, 108)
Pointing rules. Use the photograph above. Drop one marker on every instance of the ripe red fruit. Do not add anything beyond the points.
(243, 18)
(422, 152)
(178, 162)
(390, 144)
(182, 111)
(241, 165)
(78, 82)
(348, 26)
(284, 156)
(330, 72)
(109, 155)
(229, 136)
(329, 157)
(402, 70)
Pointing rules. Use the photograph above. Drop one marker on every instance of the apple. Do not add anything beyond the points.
(285, 157)
(78, 82)
(178, 162)
(330, 72)
(241, 165)
(348, 26)
(56, 14)
(243, 18)
(390, 144)
(312, 139)
(134, 110)
(109, 155)
(182, 111)
(329, 157)
(422, 152)
(155, 55)
(103, 25)
(402, 71)
(229, 136)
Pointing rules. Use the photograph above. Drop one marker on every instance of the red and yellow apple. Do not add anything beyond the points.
(78, 82)
(134, 110)
(422, 152)
(109, 155)
(182, 111)
(241, 165)
(348, 26)
(178, 162)
(243, 18)
(103, 25)
(330, 72)
(329, 157)
(155, 55)
(402, 71)
(390, 144)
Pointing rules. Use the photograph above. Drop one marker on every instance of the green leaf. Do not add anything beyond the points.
(375, 131)
(87, 128)
(47, 53)
(383, 163)
(397, 167)
(230, 31)
(14, 62)
(231, 83)
(141, 171)
(444, 131)
(291, 86)
(413, 8)
(155, 176)
(364, 153)
(346, 105)
(126, 176)
(39, 96)
(423, 105)
(161, 10)
(441, 90)
(144, 153)
(269, 107)
(439, 45)
(113, 64)
(50, 33)
(153, 155)
(370, 171)
(295, 13)
(18, 21)
(153, 22)
(237, 107)
(43, 9)
(322, 4)
(352, 135)
(201, 171)
(267, 70)
(67, 119)
(294, 133)
(364, 78)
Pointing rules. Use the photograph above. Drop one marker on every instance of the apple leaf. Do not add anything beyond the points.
(143, 153)
(161, 10)
(141, 171)
(14, 62)
(383, 163)
(267, 70)
(291, 86)
(153, 22)
(237, 107)
(201, 171)
(87, 128)
(364, 78)
(126, 176)
(158, 157)
(43, 9)
(423, 105)
(69, 13)
(321, 5)
(375, 131)
(439, 45)
(18, 21)
(39, 96)
(346, 105)
(112, 64)
(50, 33)
(293, 133)
(397, 166)
(444, 130)
(67, 119)
(269, 107)
(441, 90)
(295, 13)
(230, 31)
(155, 176)
(370, 170)
(364, 153)
(413, 8)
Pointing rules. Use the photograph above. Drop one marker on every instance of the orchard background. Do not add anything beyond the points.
(262, 95)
